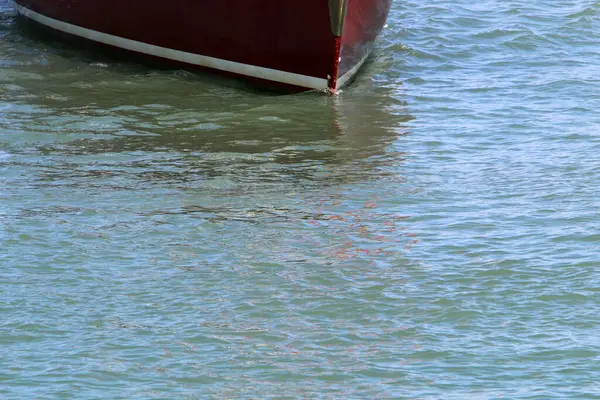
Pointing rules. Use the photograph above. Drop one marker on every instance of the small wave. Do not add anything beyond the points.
(586, 12)
(4, 156)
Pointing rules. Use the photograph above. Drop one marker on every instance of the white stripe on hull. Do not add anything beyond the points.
(343, 80)
(177, 55)
(189, 58)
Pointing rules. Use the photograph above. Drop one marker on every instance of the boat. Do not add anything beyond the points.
(294, 45)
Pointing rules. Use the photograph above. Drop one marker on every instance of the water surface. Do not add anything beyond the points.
(430, 233)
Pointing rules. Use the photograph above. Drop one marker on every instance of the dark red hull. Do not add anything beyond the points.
(290, 43)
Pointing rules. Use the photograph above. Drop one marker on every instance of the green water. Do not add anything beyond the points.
(430, 233)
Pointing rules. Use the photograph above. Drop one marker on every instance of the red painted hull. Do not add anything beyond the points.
(364, 21)
(291, 43)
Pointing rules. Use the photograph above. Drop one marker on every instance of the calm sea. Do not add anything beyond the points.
(433, 232)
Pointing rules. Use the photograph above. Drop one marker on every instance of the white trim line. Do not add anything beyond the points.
(177, 55)
(343, 80)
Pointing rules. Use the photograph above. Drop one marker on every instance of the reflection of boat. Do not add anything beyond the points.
(212, 129)
(293, 44)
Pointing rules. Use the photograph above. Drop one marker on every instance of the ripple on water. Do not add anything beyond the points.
(429, 233)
